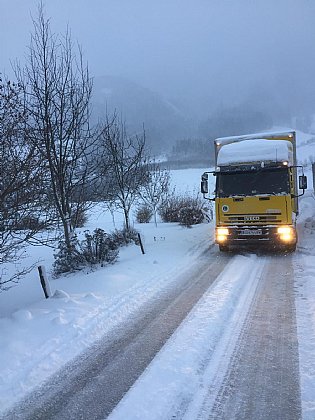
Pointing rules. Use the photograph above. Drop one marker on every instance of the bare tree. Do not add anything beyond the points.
(122, 164)
(155, 188)
(58, 89)
(21, 175)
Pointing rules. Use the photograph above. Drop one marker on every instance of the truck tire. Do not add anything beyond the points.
(224, 248)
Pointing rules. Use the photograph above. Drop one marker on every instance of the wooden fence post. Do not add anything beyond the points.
(141, 244)
(44, 281)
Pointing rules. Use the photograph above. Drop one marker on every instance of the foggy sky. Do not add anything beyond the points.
(194, 51)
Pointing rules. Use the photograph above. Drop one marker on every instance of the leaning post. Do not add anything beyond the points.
(141, 244)
(44, 281)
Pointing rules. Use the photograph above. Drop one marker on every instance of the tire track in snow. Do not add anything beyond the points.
(195, 359)
(219, 358)
(262, 381)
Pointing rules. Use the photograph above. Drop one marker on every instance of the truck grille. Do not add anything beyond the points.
(251, 219)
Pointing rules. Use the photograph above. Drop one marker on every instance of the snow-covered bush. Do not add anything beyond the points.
(169, 208)
(144, 214)
(193, 211)
(190, 215)
(125, 237)
(99, 248)
(184, 209)
(69, 260)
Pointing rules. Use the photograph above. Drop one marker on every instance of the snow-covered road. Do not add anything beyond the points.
(241, 362)
(262, 380)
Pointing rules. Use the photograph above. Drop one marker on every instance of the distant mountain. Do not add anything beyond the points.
(137, 106)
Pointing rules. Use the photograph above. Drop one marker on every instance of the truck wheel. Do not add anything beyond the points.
(224, 248)
(291, 248)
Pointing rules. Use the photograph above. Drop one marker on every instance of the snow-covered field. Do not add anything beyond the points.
(39, 336)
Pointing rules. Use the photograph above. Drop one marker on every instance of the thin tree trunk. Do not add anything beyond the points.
(127, 223)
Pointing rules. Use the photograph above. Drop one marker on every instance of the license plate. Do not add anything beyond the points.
(251, 232)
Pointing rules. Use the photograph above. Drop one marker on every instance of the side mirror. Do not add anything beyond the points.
(204, 184)
(204, 187)
(302, 182)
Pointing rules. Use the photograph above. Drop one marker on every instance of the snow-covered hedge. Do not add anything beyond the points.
(97, 248)
(186, 210)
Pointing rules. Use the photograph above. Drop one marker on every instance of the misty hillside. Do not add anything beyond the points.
(166, 123)
(163, 122)
(171, 130)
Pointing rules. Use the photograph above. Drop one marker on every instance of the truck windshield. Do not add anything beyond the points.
(252, 183)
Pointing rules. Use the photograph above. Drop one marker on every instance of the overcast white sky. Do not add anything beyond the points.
(180, 47)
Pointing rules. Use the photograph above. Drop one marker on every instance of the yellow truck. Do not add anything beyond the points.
(256, 190)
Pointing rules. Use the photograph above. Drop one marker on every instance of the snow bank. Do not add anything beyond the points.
(305, 303)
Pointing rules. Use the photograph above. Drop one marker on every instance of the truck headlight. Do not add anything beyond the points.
(284, 230)
(221, 234)
(286, 233)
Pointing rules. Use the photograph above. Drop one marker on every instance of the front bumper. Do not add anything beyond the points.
(247, 235)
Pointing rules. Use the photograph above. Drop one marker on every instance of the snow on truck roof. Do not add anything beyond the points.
(260, 150)
(280, 135)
